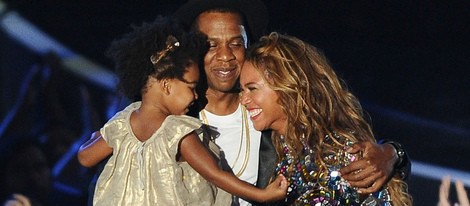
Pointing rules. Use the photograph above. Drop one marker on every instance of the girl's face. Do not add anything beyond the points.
(261, 101)
(182, 94)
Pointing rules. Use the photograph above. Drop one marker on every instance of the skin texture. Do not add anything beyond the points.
(372, 171)
(461, 193)
(264, 114)
(181, 94)
(444, 193)
(224, 59)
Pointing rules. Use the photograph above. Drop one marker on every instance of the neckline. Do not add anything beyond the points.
(236, 113)
(245, 132)
(136, 105)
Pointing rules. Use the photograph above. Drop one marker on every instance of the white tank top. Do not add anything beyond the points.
(242, 155)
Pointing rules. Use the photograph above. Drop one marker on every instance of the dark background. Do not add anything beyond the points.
(407, 61)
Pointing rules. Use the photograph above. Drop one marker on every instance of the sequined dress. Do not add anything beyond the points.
(311, 183)
(147, 173)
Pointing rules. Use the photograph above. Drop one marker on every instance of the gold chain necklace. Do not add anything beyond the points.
(246, 130)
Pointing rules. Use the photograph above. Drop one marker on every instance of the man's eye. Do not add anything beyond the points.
(236, 44)
(212, 43)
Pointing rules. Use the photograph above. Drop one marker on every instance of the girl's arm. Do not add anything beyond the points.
(94, 150)
(193, 151)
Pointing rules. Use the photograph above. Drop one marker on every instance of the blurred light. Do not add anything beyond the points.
(33, 38)
(437, 172)
(2, 7)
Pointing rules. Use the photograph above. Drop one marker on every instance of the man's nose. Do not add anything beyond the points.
(225, 53)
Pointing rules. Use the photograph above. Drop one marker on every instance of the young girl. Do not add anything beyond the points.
(158, 157)
(289, 87)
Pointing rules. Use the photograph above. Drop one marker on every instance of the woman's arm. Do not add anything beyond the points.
(193, 151)
(94, 150)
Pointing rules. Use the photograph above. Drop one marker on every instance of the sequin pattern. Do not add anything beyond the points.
(311, 183)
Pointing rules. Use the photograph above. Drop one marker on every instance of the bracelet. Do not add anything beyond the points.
(403, 166)
(400, 151)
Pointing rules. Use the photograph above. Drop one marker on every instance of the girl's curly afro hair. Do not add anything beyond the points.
(131, 54)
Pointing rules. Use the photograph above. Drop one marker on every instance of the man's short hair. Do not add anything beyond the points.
(254, 13)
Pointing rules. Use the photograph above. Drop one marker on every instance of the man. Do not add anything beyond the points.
(227, 37)
(228, 24)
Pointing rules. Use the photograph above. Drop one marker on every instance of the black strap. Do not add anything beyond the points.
(403, 166)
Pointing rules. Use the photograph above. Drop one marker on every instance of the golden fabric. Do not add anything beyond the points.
(147, 173)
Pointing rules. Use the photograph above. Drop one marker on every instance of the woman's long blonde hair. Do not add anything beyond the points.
(315, 100)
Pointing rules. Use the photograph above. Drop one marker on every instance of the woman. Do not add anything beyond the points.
(289, 87)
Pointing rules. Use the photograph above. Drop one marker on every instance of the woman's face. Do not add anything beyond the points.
(261, 101)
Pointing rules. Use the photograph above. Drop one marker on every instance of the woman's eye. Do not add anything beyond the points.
(251, 88)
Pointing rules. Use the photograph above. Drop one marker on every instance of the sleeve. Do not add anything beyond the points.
(208, 134)
(114, 132)
(267, 159)
(177, 127)
(116, 128)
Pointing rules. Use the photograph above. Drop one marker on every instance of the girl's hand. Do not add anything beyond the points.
(277, 190)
